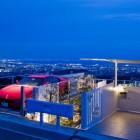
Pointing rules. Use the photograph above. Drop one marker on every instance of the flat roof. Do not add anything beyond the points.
(113, 60)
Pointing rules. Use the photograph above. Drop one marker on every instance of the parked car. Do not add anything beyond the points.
(10, 95)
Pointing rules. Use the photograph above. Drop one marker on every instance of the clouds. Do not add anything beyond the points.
(114, 9)
(110, 3)
(123, 16)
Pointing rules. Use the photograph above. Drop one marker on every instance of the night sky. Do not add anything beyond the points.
(69, 29)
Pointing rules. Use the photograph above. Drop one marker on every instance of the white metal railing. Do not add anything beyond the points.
(130, 83)
(91, 107)
(97, 104)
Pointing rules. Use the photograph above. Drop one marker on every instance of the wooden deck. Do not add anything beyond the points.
(120, 124)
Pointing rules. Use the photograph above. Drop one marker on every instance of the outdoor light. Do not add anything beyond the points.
(119, 89)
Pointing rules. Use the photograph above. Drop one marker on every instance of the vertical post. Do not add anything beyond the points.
(58, 122)
(12, 79)
(41, 119)
(22, 101)
(135, 83)
(58, 97)
(68, 91)
(49, 116)
(84, 113)
(35, 96)
(124, 82)
(35, 93)
(50, 96)
(116, 73)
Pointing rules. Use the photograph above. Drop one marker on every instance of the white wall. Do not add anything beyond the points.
(132, 101)
(109, 100)
(101, 84)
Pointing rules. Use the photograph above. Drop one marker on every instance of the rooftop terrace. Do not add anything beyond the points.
(107, 112)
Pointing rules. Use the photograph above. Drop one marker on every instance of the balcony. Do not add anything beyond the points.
(106, 112)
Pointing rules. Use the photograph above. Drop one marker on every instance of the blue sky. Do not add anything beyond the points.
(70, 29)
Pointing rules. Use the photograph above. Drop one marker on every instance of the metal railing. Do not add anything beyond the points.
(91, 108)
(130, 83)
(98, 104)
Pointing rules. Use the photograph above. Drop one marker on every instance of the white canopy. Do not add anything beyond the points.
(114, 60)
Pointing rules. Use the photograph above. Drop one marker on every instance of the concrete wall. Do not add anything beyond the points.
(130, 100)
(101, 84)
(109, 100)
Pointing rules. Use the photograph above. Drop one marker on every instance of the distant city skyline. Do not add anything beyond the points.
(99, 70)
(69, 30)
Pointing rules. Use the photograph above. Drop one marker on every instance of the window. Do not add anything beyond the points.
(52, 80)
(31, 81)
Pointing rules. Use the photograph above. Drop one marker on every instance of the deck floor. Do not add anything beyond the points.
(120, 124)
